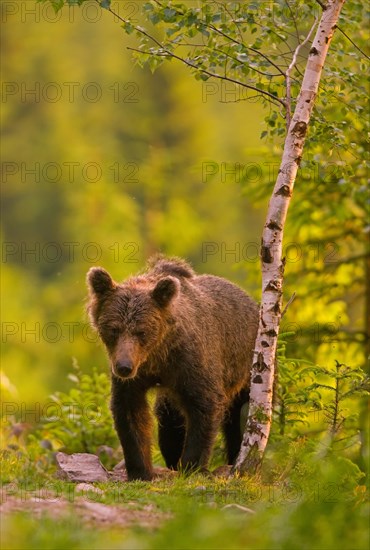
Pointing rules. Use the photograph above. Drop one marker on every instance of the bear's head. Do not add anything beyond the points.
(132, 318)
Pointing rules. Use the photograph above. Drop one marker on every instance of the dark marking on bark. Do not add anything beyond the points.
(265, 344)
(300, 129)
(257, 379)
(314, 51)
(273, 285)
(252, 463)
(284, 190)
(254, 428)
(326, 39)
(273, 225)
(272, 333)
(276, 308)
(260, 365)
(266, 254)
(298, 160)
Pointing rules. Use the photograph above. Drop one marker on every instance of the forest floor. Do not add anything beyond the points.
(308, 506)
(89, 513)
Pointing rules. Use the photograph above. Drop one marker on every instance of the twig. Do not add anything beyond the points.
(288, 101)
(355, 45)
(270, 75)
(346, 35)
(228, 37)
(168, 53)
(291, 299)
(294, 19)
(225, 35)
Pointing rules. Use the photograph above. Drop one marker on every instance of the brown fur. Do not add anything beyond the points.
(190, 335)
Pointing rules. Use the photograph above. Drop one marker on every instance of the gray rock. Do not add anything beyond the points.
(80, 467)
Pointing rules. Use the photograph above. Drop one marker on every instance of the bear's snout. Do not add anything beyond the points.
(126, 358)
(124, 368)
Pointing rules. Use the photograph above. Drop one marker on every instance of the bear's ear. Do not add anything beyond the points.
(99, 281)
(165, 290)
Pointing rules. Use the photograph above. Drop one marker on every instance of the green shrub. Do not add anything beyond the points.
(82, 421)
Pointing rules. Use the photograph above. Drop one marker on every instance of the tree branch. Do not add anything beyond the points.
(251, 68)
(257, 52)
(230, 38)
(355, 45)
(288, 101)
(167, 53)
(291, 299)
(344, 34)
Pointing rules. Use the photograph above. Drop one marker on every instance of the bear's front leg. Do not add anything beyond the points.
(133, 423)
(202, 423)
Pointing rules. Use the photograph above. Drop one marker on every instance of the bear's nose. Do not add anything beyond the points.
(124, 368)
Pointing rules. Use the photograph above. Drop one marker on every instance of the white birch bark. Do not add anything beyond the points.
(262, 376)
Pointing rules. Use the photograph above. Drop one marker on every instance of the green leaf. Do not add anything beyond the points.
(106, 4)
(57, 4)
(169, 15)
(204, 76)
(148, 7)
(243, 57)
(128, 27)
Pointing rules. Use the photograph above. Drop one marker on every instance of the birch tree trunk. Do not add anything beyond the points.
(262, 376)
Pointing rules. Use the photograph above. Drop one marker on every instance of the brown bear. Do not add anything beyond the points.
(190, 336)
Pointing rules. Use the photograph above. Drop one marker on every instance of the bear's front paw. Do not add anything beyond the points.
(140, 475)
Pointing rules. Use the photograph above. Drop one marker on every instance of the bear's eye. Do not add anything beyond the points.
(110, 333)
(140, 335)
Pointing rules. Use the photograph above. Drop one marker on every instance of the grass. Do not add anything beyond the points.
(305, 502)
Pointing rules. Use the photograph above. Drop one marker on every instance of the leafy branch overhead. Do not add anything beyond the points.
(256, 48)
